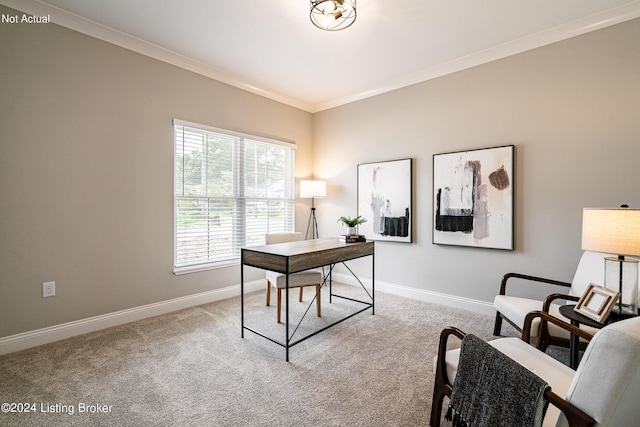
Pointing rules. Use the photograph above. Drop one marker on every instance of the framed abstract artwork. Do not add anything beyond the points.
(473, 198)
(385, 200)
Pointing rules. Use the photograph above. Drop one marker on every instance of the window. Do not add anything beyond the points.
(230, 190)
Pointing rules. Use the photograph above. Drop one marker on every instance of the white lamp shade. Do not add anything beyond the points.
(614, 231)
(311, 188)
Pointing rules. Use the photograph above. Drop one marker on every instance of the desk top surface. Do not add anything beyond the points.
(303, 246)
(301, 255)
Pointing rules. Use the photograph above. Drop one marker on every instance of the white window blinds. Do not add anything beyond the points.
(230, 190)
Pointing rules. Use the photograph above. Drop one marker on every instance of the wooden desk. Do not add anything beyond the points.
(292, 257)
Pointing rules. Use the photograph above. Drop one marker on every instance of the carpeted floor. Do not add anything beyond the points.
(192, 368)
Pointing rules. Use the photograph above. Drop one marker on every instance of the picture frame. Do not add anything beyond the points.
(596, 302)
(385, 200)
(473, 198)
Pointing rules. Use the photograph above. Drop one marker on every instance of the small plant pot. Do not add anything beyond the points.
(351, 231)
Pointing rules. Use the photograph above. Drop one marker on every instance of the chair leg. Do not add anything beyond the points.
(438, 395)
(436, 405)
(497, 327)
(268, 293)
(318, 305)
(279, 304)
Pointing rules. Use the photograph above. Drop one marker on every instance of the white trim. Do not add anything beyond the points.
(51, 334)
(69, 20)
(42, 336)
(534, 41)
(476, 306)
(118, 38)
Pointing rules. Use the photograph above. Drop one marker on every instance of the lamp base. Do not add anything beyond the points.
(312, 225)
(621, 274)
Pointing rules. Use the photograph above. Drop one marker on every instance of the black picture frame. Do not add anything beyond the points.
(385, 199)
(473, 198)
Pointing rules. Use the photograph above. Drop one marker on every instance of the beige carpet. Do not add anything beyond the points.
(191, 368)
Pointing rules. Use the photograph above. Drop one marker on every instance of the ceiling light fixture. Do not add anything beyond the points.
(333, 15)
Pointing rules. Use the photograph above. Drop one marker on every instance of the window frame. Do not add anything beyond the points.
(238, 160)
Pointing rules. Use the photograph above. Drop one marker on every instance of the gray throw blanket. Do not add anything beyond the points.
(492, 390)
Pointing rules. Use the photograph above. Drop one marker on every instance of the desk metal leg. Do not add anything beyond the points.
(287, 339)
(373, 284)
(330, 283)
(574, 347)
(241, 299)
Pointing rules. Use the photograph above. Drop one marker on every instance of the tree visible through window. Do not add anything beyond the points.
(230, 190)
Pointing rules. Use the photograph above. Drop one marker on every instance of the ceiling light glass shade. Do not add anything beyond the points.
(333, 15)
(614, 231)
(310, 189)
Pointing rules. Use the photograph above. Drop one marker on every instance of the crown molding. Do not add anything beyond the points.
(563, 32)
(99, 31)
(91, 28)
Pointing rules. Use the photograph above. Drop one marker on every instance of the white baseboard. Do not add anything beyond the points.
(476, 306)
(42, 336)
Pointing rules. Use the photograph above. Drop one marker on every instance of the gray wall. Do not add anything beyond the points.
(86, 173)
(572, 109)
(86, 164)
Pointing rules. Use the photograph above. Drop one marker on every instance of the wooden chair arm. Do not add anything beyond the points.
(506, 277)
(550, 298)
(442, 350)
(526, 330)
(442, 386)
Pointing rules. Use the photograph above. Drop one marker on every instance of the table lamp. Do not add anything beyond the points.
(311, 189)
(616, 231)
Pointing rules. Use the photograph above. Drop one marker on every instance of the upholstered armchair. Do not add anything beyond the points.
(513, 308)
(602, 391)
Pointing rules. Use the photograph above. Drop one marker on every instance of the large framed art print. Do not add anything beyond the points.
(385, 200)
(473, 198)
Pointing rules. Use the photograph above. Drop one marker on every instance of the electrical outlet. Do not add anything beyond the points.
(48, 289)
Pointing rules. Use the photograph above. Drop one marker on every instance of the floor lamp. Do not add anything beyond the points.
(310, 189)
(616, 231)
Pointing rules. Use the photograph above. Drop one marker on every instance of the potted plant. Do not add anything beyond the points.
(351, 223)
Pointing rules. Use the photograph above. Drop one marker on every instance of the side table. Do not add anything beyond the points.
(578, 319)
